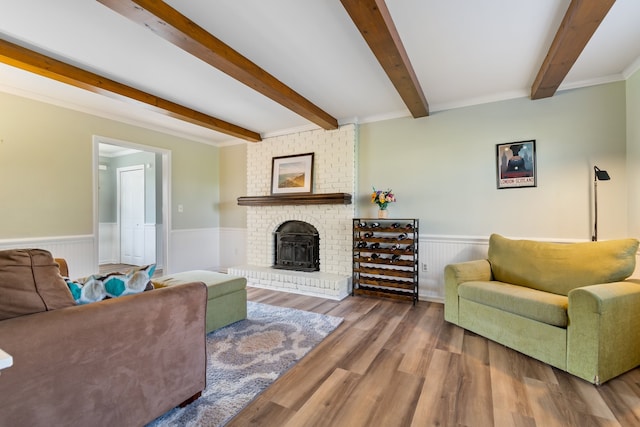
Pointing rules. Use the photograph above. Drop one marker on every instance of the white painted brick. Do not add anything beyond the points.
(334, 171)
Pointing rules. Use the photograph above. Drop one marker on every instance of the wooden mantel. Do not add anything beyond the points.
(296, 199)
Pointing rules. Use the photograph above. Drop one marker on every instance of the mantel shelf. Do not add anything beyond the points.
(296, 199)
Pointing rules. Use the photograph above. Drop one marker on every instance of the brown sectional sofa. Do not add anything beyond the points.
(119, 362)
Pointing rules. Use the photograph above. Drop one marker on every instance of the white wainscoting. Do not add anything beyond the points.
(159, 247)
(233, 247)
(194, 249)
(108, 243)
(78, 251)
(149, 243)
(438, 251)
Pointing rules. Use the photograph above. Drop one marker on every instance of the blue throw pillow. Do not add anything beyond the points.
(84, 293)
(98, 287)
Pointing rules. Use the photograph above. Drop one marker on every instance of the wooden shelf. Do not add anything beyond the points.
(375, 271)
(296, 199)
(374, 292)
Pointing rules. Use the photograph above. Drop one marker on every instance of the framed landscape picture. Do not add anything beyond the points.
(292, 174)
(516, 164)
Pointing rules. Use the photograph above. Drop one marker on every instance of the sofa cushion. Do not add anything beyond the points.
(30, 282)
(561, 267)
(526, 302)
(218, 284)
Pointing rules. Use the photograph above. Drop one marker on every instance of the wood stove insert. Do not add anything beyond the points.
(297, 247)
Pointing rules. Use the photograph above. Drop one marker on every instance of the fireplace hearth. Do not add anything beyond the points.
(297, 247)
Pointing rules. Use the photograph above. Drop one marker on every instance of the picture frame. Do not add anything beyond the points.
(292, 174)
(516, 164)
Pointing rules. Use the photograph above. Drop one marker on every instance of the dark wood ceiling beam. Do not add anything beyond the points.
(37, 63)
(578, 25)
(176, 28)
(373, 20)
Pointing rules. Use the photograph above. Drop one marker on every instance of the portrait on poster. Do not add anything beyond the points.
(516, 164)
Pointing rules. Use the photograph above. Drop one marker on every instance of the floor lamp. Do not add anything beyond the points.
(598, 175)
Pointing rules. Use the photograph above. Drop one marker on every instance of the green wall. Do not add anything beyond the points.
(233, 184)
(107, 192)
(443, 167)
(46, 176)
(196, 187)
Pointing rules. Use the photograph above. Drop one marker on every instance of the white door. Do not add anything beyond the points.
(131, 214)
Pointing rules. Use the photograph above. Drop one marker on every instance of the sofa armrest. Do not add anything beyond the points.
(62, 265)
(603, 338)
(454, 274)
(122, 361)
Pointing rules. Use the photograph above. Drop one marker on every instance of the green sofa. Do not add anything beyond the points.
(569, 305)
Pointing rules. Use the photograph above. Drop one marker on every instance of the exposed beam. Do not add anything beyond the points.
(578, 25)
(176, 28)
(376, 26)
(23, 58)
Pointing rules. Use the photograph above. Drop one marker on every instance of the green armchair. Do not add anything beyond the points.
(569, 305)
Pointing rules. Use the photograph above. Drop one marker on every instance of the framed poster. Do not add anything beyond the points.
(516, 164)
(292, 174)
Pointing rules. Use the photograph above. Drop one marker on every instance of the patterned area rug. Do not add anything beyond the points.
(246, 357)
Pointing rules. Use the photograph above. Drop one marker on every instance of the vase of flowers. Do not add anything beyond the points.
(382, 198)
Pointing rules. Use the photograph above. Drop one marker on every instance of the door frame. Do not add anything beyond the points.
(166, 195)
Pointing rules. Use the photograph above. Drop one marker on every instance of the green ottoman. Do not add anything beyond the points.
(226, 295)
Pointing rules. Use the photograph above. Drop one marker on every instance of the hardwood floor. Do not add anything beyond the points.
(392, 364)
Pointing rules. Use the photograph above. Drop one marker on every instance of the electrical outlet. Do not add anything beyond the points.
(424, 267)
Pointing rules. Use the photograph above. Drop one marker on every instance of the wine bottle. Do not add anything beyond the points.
(409, 226)
(362, 225)
(409, 248)
(395, 257)
(375, 224)
(367, 235)
(374, 256)
(395, 247)
(361, 245)
(375, 245)
(402, 236)
(395, 225)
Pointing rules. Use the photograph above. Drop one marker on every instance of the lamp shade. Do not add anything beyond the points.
(601, 175)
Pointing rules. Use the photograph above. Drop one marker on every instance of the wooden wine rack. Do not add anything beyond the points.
(389, 268)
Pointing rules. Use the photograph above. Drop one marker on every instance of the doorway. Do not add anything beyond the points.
(131, 204)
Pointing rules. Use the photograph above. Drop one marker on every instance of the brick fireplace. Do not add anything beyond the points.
(334, 172)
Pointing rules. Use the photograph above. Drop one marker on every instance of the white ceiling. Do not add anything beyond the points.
(109, 150)
(463, 52)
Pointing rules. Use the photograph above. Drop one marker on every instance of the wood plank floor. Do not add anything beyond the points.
(392, 364)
